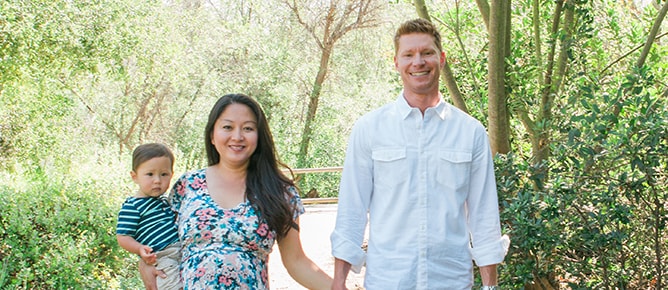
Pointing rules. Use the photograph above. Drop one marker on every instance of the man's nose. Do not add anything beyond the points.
(418, 59)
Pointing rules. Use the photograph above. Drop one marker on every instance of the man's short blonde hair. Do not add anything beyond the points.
(419, 25)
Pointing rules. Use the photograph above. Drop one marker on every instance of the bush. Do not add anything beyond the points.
(61, 236)
(597, 219)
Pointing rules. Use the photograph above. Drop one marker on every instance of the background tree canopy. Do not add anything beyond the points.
(573, 93)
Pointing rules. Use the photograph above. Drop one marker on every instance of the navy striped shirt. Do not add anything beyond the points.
(149, 220)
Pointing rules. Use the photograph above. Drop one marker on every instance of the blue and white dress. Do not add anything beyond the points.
(222, 248)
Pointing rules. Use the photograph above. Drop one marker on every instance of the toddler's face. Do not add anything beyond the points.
(153, 177)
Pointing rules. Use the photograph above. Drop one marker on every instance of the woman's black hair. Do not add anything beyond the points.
(266, 185)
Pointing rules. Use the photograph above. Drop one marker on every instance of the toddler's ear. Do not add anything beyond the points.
(133, 174)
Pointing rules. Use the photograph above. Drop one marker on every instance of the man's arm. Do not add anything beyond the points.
(489, 245)
(341, 269)
(489, 275)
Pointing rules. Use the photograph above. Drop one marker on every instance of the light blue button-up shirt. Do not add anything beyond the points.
(427, 184)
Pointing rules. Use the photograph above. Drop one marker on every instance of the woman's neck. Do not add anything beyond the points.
(230, 174)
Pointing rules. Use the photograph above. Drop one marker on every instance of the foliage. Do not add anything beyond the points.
(83, 82)
(61, 236)
(593, 215)
(601, 220)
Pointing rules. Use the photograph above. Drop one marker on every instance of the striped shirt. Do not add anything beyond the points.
(149, 220)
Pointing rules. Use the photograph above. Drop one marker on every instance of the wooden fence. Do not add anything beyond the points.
(317, 170)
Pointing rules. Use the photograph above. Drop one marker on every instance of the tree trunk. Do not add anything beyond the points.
(447, 76)
(652, 34)
(314, 98)
(339, 19)
(421, 9)
(499, 129)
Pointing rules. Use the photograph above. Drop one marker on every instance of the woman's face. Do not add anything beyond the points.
(235, 135)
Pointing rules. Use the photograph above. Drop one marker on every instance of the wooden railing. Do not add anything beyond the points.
(318, 200)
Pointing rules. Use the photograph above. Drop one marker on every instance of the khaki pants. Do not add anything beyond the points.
(168, 261)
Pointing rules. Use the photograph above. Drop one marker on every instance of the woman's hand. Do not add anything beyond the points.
(148, 275)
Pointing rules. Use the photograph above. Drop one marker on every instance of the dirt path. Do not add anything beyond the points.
(316, 225)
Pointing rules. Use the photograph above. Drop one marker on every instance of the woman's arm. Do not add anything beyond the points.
(299, 266)
(149, 275)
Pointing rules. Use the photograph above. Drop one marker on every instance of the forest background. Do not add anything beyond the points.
(573, 94)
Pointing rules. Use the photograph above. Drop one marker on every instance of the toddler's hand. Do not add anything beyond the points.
(146, 253)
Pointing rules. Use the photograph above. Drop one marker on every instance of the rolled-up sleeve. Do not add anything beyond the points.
(488, 245)
(492, 253)
(354, 195)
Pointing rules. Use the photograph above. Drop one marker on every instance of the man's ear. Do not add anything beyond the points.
(442, 61)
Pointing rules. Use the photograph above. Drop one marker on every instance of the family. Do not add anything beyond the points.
(418, 172)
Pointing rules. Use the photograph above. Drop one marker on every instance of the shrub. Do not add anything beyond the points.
(61, 236)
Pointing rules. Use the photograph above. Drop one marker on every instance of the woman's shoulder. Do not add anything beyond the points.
(193, 174)
(292, 194)
(291, 190)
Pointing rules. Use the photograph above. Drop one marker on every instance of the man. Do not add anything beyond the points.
(420, 171)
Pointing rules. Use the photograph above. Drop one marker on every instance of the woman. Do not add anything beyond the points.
(230, 213)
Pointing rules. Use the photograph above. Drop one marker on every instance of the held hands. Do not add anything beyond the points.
(339, 285)
(146, 254)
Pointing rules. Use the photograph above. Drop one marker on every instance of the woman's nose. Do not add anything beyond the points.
(237, 135)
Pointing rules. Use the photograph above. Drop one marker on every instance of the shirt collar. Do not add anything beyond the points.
(441, 109)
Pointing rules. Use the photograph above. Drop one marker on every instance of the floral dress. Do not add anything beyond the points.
(222, 248)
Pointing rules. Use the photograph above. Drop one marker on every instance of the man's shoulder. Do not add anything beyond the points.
(458, 114)
(380, 112)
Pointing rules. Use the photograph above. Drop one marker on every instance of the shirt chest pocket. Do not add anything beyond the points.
(453, 170)
(390, 167)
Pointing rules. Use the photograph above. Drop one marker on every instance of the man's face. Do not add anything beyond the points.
(419, 62)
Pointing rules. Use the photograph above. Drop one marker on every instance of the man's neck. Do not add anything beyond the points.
(422, 101)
